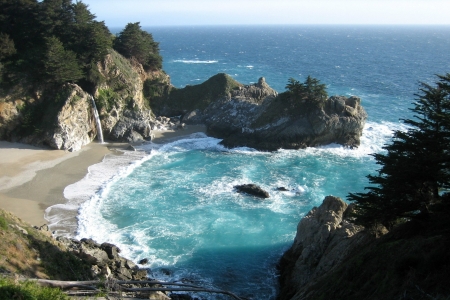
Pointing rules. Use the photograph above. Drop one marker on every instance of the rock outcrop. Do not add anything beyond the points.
(325, 237)
(65, 122)
(272, 124)
(124, 111)
(61, 117)
(253, 190)
(104, 259)
(74, 126)
(256, 116)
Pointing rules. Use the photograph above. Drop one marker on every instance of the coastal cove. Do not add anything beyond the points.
(172, 200)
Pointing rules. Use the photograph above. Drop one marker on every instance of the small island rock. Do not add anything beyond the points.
(252, 189)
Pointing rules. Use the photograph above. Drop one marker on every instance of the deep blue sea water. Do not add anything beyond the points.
(175, 203)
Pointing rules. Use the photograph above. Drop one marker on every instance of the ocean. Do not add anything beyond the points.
(174, 203)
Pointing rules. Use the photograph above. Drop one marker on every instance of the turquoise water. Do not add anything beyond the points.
(175, 203)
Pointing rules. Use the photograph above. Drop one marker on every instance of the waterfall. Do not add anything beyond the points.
(97, 120)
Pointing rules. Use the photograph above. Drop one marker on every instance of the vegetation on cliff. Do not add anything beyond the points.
(415, 170)
(55, 41)
(34, 253)
(311, 92)
(137, 43)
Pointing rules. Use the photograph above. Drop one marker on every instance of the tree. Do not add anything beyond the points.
(60, 65)
(310, 92)
(90, 39)
(7, 47)
(137, 43)
(416, 165)
(315, 90)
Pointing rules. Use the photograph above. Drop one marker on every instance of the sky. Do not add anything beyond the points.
(117, 13)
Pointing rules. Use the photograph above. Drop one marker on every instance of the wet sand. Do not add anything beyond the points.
(32, 178)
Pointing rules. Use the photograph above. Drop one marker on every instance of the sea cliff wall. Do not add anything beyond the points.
(325, 238)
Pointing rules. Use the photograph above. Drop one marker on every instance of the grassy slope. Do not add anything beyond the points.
(36, 254)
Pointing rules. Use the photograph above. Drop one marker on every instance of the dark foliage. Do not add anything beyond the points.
(37, 36)
(416, 166)
(310, 92)
(139, 44)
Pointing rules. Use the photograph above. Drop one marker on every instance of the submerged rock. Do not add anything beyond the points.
(252, 189)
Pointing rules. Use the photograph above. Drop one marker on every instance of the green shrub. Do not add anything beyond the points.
(106, 99)
(3, 223)
(28, 291)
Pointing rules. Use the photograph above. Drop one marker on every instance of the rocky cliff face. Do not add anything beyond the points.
(61, 117)
(325, 237)
(242, 115)
(74, 124)
(66, 122)
(126, 116)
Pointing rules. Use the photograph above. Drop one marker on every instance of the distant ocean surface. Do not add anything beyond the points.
(175, 205)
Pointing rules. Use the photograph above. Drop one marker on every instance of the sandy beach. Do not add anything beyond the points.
(32, 178)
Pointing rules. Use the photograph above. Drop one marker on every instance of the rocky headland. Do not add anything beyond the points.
(332, 258)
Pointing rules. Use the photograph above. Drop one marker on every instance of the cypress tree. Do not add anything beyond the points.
(60, 65)
(416, 165)
(137, 43)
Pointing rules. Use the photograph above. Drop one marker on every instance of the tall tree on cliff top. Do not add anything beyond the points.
(60, 65)
(416, 165)
(32, 25)
(137, 43)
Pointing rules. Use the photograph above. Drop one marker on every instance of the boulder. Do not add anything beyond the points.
(132, 127)
(111, 250)
(252, 189)
(93, 255)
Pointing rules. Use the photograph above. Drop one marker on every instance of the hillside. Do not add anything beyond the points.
(35, 253)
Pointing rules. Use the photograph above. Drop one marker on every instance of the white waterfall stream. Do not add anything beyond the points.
(97, 120)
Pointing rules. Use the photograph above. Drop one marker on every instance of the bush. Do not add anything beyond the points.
(3, 223)
(28, 291)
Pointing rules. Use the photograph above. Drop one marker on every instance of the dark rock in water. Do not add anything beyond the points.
(166, 272)
(282, 189)
(143, 261)
(252, 189)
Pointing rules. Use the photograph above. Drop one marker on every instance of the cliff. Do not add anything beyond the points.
(332, 258)
(124, 111)
(62, 117)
